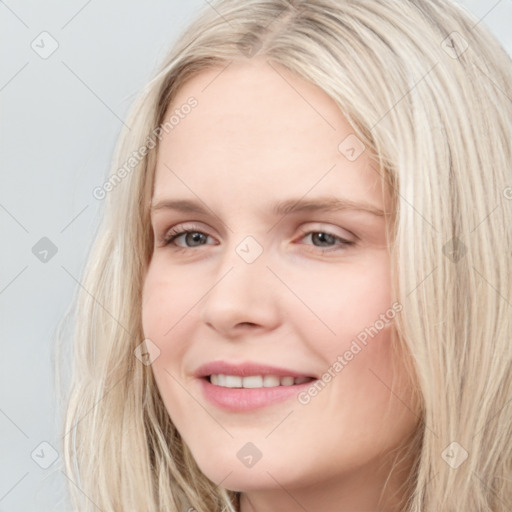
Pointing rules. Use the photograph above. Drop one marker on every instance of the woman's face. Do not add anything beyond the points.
(285, 266)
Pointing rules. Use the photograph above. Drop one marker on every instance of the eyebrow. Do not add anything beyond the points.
(320, 204)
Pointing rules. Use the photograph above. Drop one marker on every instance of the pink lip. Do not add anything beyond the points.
(241, 399)
(247, 399)
(245, 370)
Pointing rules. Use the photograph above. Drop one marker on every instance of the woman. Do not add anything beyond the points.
(299, 295)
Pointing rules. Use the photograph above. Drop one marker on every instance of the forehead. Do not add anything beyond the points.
(258, 129)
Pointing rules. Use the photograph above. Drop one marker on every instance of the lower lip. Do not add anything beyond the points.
(248, 399)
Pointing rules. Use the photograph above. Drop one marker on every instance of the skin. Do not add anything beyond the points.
(260, 135)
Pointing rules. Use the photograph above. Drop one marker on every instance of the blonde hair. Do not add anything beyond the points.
(427, 89)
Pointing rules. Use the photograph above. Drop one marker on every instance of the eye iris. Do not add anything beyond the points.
(194, 239)
(323, 238)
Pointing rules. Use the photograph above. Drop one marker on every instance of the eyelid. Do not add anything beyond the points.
(320, 227)
(343, 241)
(180, 228)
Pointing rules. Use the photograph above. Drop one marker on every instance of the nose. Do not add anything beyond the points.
(243, 298)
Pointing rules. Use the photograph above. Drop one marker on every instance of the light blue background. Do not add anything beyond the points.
(59, 120)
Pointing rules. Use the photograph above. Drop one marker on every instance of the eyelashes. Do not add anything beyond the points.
(329, 238)
(174, 235)
(194, 238)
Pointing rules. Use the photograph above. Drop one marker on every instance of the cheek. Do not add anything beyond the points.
(166, 306)
(342, 300)
(351, 334)
(156, 299)
(167, 297)
(164, 301)
(170, 318)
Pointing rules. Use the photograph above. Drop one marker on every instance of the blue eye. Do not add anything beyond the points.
(193, 238)
(326, 239)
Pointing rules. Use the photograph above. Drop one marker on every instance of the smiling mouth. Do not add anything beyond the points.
(255, 381)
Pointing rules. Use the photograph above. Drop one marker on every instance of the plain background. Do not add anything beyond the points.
(60, 118)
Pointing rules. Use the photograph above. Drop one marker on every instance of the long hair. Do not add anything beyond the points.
(427, 89)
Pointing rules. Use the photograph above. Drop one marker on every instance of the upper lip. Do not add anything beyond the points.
(245, 370)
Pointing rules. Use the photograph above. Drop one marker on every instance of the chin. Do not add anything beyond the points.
(233, 474)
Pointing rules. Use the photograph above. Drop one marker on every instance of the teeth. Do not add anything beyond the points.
(255, 381)
(233, 381)
(270, 381)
